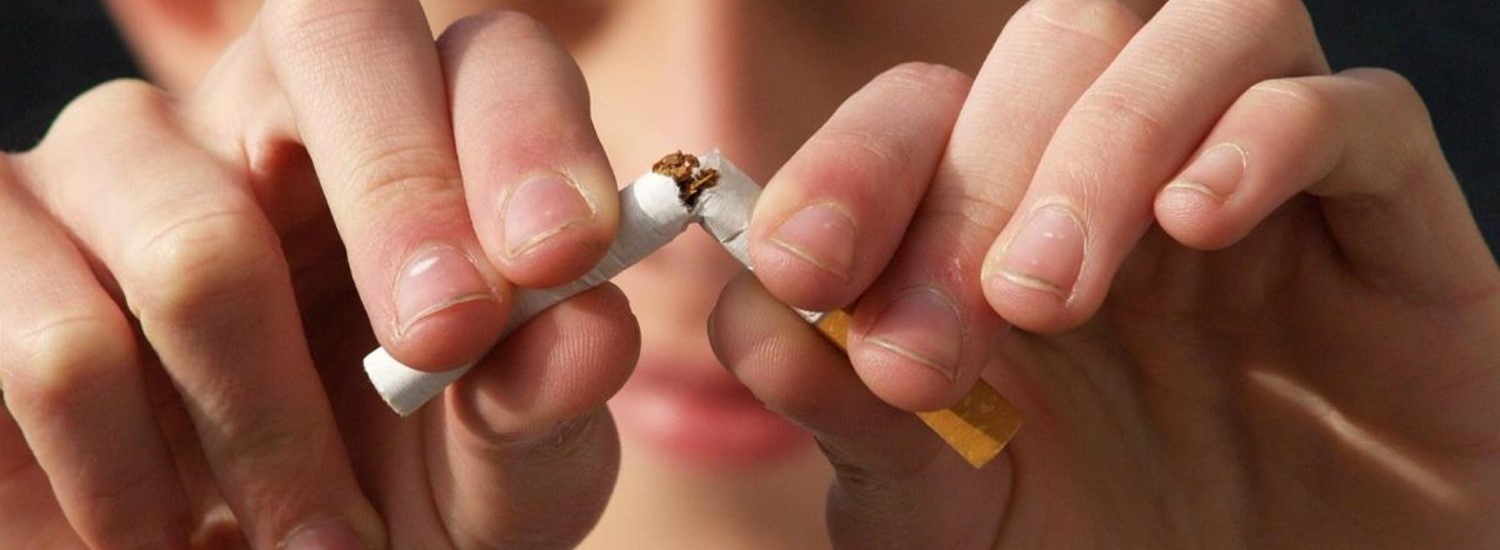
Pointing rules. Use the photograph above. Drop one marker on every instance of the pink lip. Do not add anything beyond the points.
(710, 423)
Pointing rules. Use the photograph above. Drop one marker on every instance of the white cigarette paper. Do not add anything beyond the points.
(651, 215)
(724, 211)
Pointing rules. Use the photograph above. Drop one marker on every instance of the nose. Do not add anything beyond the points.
(738, 75)
(745, 76)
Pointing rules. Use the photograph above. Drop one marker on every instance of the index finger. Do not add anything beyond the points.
(371, 103)
(366, 92)
(1090, 197)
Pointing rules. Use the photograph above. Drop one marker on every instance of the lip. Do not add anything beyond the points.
(709, 423)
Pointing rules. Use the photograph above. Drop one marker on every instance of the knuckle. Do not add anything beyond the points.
(1298, 98)
(124, 94)
(1123, 114)
(64, 360)
(1398, 92)
(1109, 22)
(1001, 179)
(1279, 30)
(963, 212)
(1255, 13)
(398, 167)
(926, 80)
(393, 188)
(550, 438)
(1279, 19)
(120, 101)
(1280, 10)
(1386, 79)
(567, 437)
(109, 504)
(864, 154)
(314, 26)
(587, 439)
(503, 24)
(852, 149)
(1416, 156)
(267, 442)
(188, 268)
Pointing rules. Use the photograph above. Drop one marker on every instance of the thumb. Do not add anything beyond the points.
(896, 484)
(526, 453)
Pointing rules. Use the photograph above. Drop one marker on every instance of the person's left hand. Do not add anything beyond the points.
(1302, 351)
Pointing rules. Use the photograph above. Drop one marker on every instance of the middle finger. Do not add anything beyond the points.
(1090, 198)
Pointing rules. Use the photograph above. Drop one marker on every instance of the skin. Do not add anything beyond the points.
(1259, 314)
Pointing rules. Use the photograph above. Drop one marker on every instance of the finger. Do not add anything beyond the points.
(829, 221)
(924, 333)
(203, 272)
(1089, 201)
(33, 516)
(537, 181)
(1362, 141)
(896, 485)
(529, 453)
(366, 92)
(73, 382)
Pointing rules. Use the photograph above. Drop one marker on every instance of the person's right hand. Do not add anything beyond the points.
(181, 337)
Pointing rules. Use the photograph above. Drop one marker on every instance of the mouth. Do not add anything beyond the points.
(705, 420)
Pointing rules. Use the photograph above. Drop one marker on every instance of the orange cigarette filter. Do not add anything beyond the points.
(978, 427)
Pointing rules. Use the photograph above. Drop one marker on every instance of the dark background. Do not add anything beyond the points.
(51, 50)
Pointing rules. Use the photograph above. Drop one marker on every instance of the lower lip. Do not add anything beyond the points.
(722, 427)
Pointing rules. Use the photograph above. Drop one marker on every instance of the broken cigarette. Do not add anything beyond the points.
(656, 208)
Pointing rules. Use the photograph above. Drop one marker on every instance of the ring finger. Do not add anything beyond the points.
(202, 270)
(73, 383)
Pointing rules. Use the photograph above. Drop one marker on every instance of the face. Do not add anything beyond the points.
(753, 78)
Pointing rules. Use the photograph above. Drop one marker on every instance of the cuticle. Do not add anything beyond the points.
(800, 253)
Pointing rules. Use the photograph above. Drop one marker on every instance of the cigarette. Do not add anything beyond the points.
(682, 189)
(978, 427)
(651, 215)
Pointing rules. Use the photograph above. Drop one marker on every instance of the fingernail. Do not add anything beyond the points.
(332, 534)
(539, 209)
(436, 278)
(1047, 254)
(921, 324)
(822, 234)
(1215, 173)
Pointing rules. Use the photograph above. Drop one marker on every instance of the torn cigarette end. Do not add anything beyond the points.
(689, 175)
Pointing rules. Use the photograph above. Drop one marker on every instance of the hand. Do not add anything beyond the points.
(1301, 351)
(180, 340)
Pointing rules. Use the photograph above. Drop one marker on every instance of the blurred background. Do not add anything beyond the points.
(52, 50)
